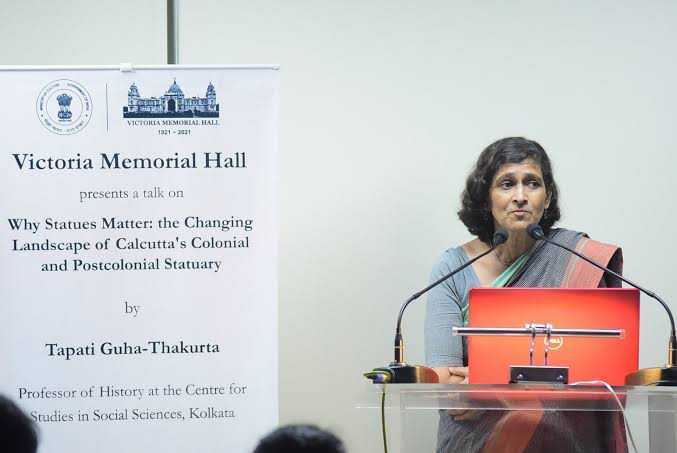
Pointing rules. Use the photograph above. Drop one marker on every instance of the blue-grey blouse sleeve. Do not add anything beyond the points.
(443, 310)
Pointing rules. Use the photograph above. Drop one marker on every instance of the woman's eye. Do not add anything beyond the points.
(505, 184)
(534, 184)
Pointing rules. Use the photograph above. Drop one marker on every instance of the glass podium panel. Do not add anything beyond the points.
(413, 412)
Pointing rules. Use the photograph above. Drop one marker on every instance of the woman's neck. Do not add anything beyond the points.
(518, 242)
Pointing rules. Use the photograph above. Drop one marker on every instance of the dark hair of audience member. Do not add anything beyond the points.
(17, 432)
(300, 439)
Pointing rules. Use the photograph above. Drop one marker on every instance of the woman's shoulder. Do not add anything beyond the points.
(565, 236)
(453, 256)
(564, 232)
(608, 255)
(457, 255)
(574, 237)
(474, 248)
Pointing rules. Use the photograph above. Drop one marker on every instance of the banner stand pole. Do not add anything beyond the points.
(172, 31)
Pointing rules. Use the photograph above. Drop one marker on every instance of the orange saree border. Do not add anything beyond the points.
(513, 432)
(580, 274)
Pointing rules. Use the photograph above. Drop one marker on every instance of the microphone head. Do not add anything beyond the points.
(535, 231)
(500, 236)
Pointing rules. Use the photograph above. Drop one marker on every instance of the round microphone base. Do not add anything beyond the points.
(412, 374)
(401, 373)
(653, 376)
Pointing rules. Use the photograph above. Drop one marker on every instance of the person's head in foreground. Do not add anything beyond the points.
(300, 439)
(510, 187)
(17, 431)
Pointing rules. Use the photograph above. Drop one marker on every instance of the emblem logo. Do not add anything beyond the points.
(64, 107)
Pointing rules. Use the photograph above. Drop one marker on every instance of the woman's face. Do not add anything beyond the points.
(517, 195)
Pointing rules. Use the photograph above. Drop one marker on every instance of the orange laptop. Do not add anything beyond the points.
(588, 358)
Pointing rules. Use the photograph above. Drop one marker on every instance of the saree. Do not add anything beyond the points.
(545, 265)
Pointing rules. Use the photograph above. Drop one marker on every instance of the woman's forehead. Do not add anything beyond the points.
(526, 166)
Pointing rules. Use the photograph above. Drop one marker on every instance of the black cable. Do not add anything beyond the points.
(383, 419)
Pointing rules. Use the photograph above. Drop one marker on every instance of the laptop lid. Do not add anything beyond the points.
(588, 358)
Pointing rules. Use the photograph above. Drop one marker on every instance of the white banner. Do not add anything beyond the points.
(139, 256)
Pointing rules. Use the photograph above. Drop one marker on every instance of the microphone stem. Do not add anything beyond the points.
(672, 347)
(399, 342)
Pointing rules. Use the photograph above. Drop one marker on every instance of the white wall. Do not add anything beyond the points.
(82, 32)
(385, 105)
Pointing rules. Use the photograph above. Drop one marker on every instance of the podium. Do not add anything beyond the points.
(413, 411)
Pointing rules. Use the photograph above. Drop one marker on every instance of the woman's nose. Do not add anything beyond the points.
(519, 196)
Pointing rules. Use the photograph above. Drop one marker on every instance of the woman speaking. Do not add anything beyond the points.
(511, 187)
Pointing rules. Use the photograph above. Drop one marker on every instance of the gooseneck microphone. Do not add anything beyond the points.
(653, 376)
(500, 236)
(398, 371)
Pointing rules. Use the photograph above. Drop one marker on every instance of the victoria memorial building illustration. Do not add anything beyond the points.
(171, 105)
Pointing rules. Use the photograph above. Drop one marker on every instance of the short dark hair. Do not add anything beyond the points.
(475, 211)
(17, 431)
(300, 439)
